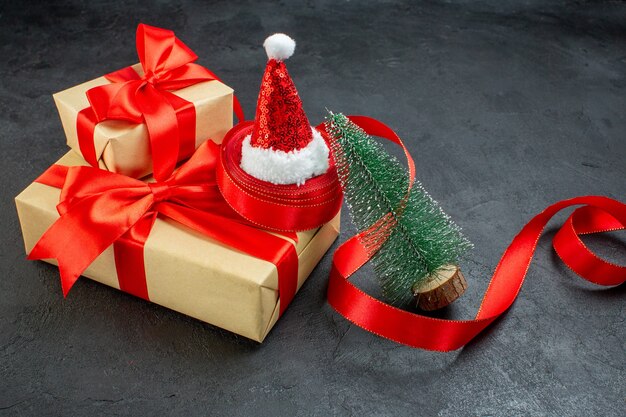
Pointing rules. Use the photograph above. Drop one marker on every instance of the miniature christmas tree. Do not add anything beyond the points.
(415, 246)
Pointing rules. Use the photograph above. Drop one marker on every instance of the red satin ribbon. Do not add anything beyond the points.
(99, 208)
(598, 214)
(275, 207)
(171, 121)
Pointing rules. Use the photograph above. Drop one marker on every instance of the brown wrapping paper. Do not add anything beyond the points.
(186, 271)
(124, 147)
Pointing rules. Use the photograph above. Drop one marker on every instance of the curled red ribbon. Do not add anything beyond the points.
(598, 214)
(171, 121)
(99, 208)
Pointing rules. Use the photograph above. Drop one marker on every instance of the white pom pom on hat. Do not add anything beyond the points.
(279, 46)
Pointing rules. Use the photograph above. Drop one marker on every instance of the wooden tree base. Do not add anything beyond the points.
(440, 289)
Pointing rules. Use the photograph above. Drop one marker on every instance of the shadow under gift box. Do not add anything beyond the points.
(124, 147)
(186, 271)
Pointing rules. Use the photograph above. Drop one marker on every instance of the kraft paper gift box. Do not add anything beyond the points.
(186, 271)
(124, 147)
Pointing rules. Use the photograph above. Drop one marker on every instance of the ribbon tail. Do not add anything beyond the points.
(429, 333)
(74, 253)
(71, 239)
(163, 129)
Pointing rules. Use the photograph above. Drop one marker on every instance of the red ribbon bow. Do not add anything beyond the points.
(167, 65)
(99, 208)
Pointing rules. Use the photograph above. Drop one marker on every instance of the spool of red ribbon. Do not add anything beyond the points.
(277, 207)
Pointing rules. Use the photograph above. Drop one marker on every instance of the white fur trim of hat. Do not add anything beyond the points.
(280, 167)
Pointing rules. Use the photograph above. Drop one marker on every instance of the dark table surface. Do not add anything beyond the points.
(506, 106)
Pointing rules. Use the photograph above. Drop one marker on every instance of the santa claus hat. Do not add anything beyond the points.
(282, 148)
(277, 171)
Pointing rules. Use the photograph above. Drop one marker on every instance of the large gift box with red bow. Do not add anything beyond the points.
(176, 243)
(143, 118)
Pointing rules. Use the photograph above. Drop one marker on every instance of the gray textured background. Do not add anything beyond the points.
(506, 107)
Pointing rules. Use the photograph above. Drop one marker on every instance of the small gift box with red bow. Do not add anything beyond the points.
(147, 117)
